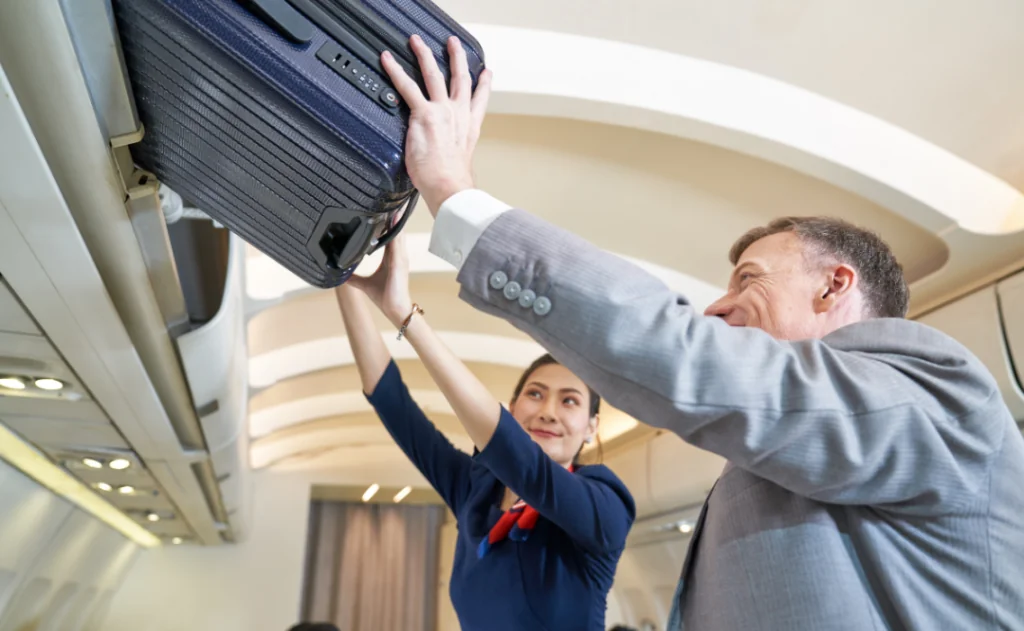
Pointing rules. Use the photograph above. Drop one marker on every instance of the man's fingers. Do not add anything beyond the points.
(406, 87)
(432, 76)
(478, 106)
(462, 83)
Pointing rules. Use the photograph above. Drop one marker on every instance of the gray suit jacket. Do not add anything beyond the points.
(875, 477)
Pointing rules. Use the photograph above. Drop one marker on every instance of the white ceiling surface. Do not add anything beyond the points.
(661, 134)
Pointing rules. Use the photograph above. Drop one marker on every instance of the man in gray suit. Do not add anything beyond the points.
(875, 475)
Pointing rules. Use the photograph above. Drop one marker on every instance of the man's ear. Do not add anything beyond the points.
(839, 283)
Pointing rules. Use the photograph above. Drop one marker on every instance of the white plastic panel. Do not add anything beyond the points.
(974, 321)
(95, 619)
(1011, 301)
(56, 562)
(26, 611)
(51, 433)
(59, 607)
(29, 518)
(13, 318)
(216, 367)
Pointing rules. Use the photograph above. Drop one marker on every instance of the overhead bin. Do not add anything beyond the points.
(980, 323)
(1011, 303)
(216, 361)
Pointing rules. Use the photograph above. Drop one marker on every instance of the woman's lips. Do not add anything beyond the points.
(543, 433)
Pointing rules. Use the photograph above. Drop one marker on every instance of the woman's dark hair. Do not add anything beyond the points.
(545, 360)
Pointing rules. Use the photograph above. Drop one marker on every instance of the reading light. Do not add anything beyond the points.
(370, 492)
(92, 463)
(103, 486)
(126, 490)
(35, 465)
(401, 494)
(12, 383)
(45, 383)
(153, 517)
(685, 527)
(176, 541)
(119, 464)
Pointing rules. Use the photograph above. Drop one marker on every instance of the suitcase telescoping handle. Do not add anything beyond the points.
(349, 24)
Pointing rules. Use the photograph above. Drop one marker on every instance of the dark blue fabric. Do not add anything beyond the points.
(556, 580)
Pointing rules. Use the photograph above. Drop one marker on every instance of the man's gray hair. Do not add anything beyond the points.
(886, 294)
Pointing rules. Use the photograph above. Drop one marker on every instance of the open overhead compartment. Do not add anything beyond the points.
(990, 323)
(91, 294)
(216, 365)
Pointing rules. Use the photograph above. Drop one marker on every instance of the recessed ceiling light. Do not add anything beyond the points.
(176, 541)
(126, 490)
(401, 494)
(685, 527)
(49, 384)
(119, 464)
(103, 486)
(370, 492)
(153, 517)
(12, 383)
(92, 463)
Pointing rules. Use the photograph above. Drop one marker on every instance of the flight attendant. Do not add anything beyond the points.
(539, 534)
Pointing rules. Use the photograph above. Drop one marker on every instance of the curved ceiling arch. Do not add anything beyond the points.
(342, 432)
(333, 404)
(572, 76)
(267, 280)
(319, 354)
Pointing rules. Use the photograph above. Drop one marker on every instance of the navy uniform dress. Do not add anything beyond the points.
(558, 578)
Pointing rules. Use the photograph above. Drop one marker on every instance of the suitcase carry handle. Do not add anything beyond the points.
(394, 230)
(345, 236)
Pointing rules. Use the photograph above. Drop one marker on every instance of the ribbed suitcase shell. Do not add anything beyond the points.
(260, 133)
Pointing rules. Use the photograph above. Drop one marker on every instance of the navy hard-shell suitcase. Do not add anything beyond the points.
(277, 119)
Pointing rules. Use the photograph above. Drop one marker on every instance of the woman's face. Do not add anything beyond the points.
(554, 409)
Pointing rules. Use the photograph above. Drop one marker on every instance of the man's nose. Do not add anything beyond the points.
(720, 308)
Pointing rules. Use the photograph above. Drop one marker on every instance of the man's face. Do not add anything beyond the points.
(776, 288)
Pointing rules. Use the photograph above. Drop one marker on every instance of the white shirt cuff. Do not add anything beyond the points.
(460, 222)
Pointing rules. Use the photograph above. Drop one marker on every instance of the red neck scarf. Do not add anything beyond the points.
(516, 524)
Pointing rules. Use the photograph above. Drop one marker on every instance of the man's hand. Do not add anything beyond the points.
(444, 128)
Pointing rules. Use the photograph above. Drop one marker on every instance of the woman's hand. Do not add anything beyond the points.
(388, 287)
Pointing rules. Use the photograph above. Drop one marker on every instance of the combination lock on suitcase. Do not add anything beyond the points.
(277, 118)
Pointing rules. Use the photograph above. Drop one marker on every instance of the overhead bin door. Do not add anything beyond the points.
(975, 321)
(1011, 303)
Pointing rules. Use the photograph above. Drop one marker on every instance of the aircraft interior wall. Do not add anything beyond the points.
(252, 585)
(59, 566)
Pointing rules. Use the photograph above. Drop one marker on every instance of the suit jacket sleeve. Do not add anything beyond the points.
(592, 506)
(882, 412)
(445, 467)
